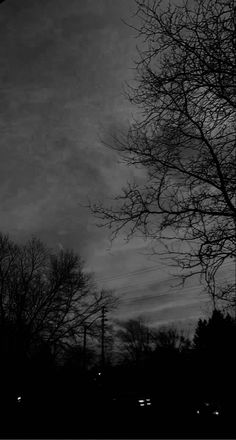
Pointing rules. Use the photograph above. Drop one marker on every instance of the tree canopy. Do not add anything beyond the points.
(46, 298)
(184, 136)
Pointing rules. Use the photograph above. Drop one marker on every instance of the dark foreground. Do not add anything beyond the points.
(92, 409)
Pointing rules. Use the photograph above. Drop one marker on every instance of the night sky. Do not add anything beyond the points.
(63, 66)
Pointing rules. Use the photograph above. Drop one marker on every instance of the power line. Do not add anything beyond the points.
(140, 285)
(128, 274)
(138, 272)
(168, 291)
(155, 296)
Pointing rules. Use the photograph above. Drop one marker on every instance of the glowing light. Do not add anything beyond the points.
(19, 398)
(149, 403)
(216, 413)
(198, 412)
(99, 374)
(141, 404)
(141, 401)
(148, 400)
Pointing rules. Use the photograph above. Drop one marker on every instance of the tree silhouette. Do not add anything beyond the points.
(184, 136)
(216, 335)
(214, 353)
(134, 337)
(45, 299)
(170, 340)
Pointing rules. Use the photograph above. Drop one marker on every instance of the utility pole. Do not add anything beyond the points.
(148, 338)
(103, 319)
(84, 347)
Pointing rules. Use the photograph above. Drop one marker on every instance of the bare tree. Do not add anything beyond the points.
(184, 139)
(139, 342)
(134, 338)
(44, 297)
(170, 339)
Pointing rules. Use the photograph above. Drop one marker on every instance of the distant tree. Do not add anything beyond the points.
(184, 136)
(138, 341)
(134, 339)
(75, 357)
(45, 299)
(170, 340)
(214, 354)
(216, 335)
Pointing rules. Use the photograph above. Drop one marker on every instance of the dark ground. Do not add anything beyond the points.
(92, 408)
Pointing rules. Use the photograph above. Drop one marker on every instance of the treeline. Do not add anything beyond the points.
(180, 374)
(60, 351)
(47, 301)
(203, 363)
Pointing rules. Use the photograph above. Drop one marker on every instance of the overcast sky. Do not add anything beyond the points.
(63, 65)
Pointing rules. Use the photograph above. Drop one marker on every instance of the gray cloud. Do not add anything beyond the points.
(63, 65)
(60, 81)
(73, 25)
